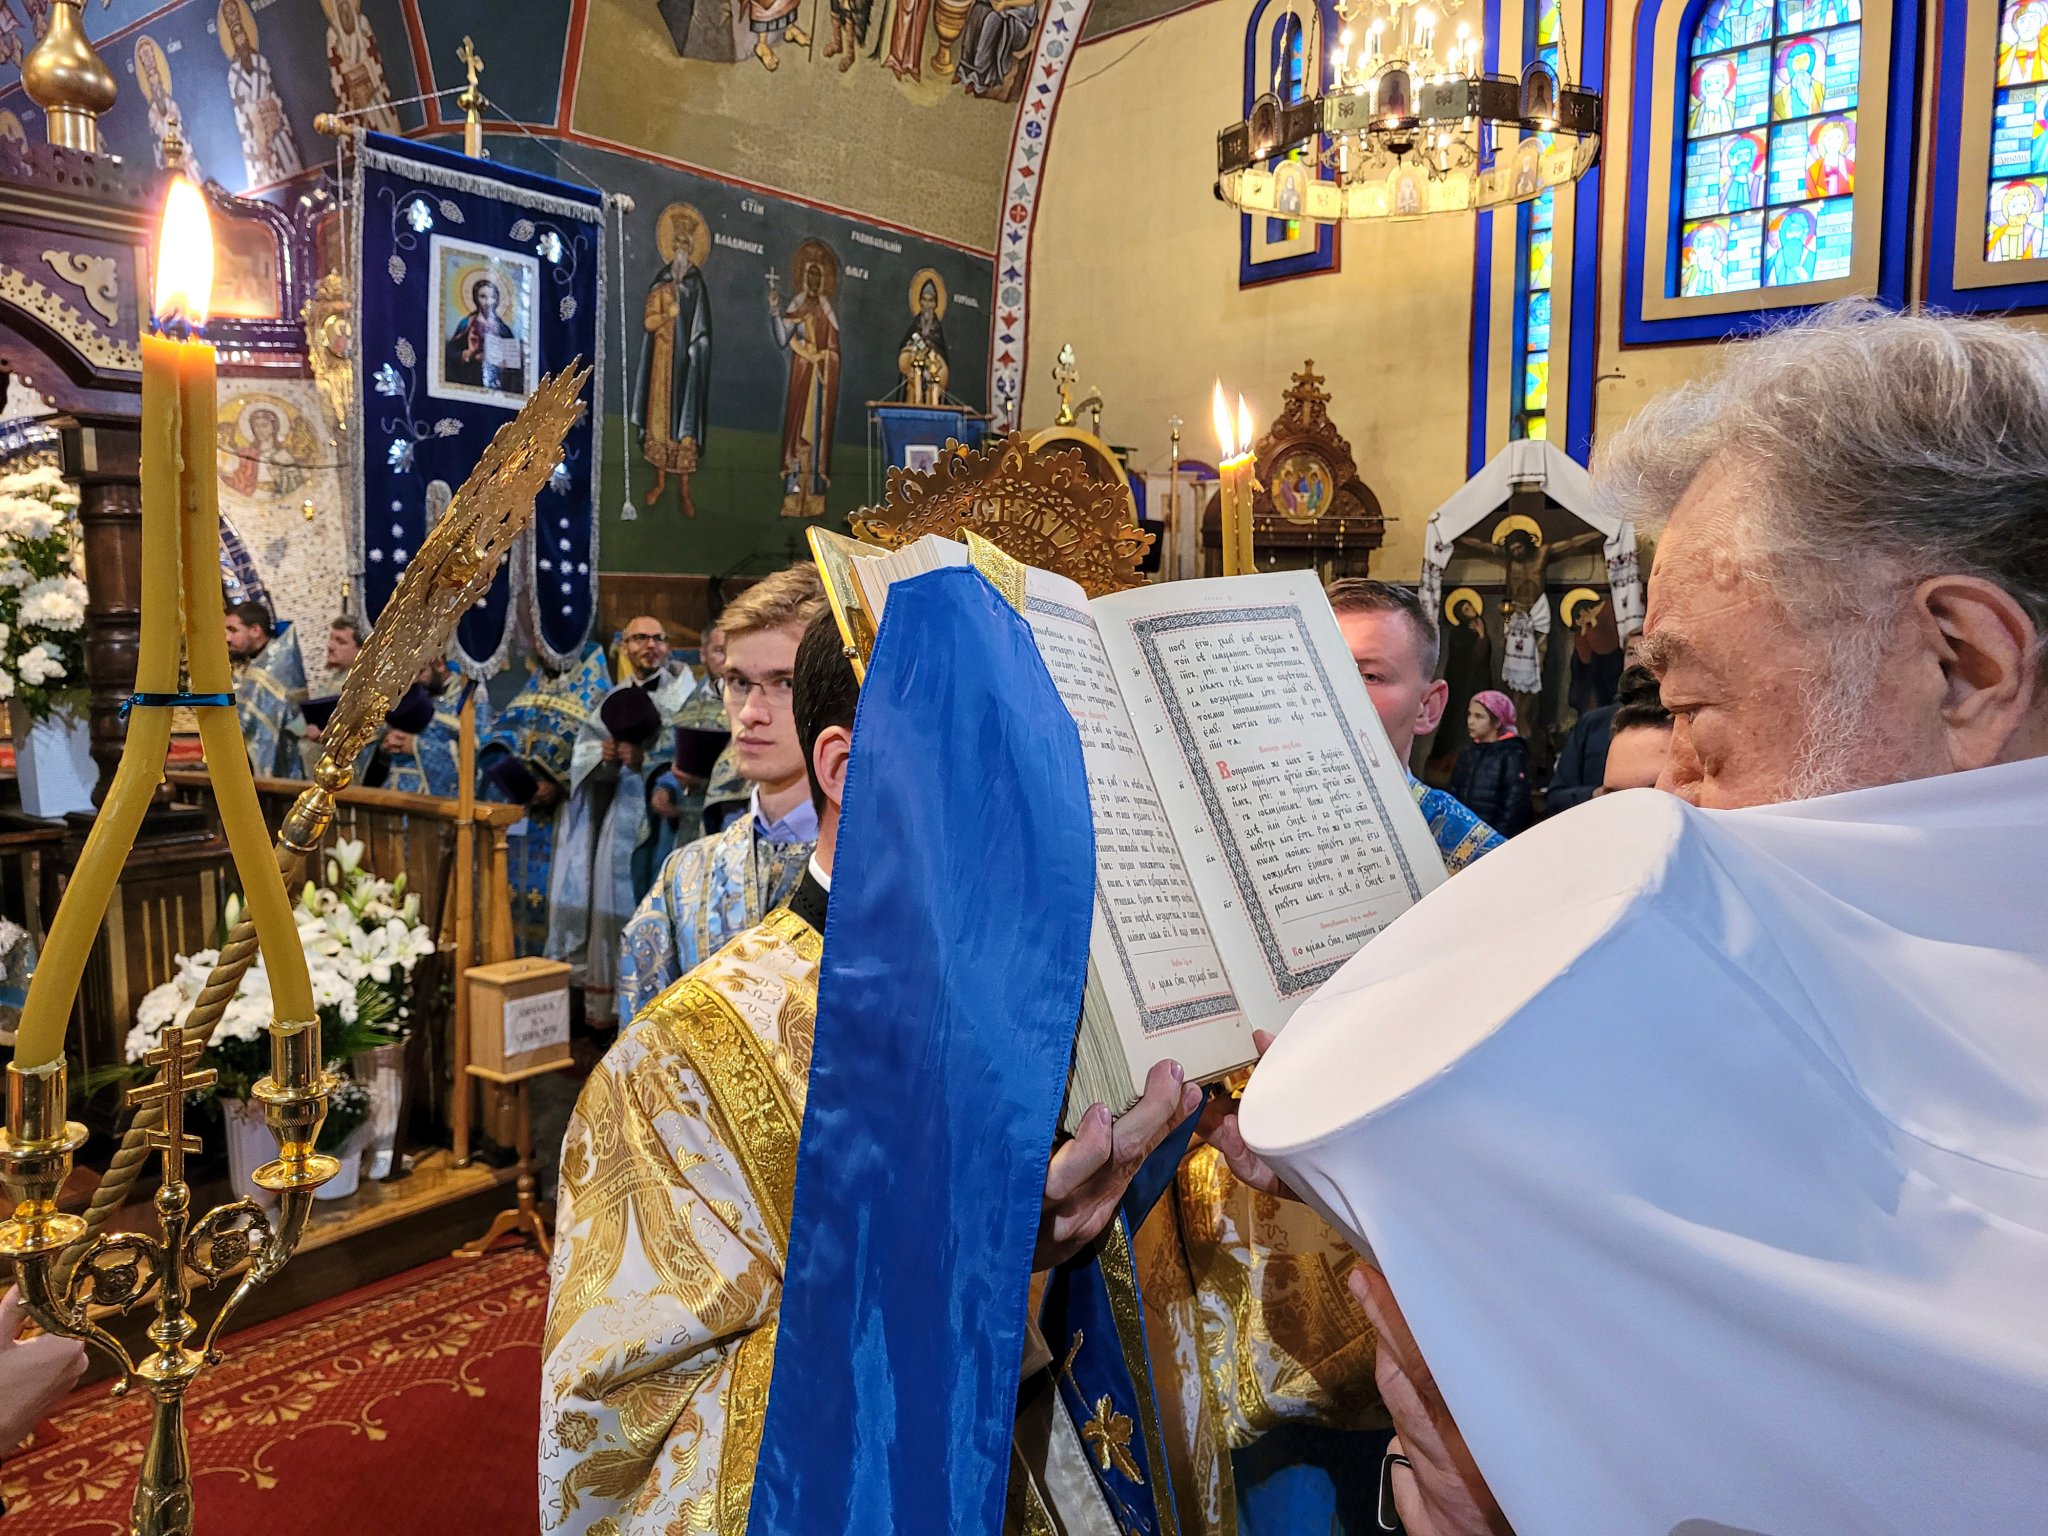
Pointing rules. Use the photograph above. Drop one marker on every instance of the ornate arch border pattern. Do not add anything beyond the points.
(1008, 350)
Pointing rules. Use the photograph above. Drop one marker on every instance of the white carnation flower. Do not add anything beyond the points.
(39, 664)
(160, 1006)
(22, 517)
(56, 602)
(37, 480)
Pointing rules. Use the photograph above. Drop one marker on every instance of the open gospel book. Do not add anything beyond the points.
(1252, 826)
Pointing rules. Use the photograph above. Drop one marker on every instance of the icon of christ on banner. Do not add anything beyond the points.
(483, 302)
(809, 329)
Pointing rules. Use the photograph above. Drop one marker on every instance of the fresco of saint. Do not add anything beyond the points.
(922, 359)
(674, 388)
(263, 455)
(153, 74)
(772, 22)
(809, 330)
(269, 151)
(355, 68)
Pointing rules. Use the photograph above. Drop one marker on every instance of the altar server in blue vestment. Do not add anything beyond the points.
(420, 752)
(425, 760)
(804, 1195)
(270, 690)
(606, 847)
(525, 760)
(592, 893)
(711, 889)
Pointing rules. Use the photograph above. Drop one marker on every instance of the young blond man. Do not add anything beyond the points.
(721, 885)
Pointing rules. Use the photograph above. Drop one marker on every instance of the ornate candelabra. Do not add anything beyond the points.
(66, 1272)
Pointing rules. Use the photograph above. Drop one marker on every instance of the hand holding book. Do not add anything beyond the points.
(1087, 1177)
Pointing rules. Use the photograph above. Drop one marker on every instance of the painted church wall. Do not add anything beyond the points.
(899, 111)
(1136, 263)
(243, 78)
(887, 130)
(737, 490)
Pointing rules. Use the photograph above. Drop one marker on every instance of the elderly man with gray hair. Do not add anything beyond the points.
(1709, 1194)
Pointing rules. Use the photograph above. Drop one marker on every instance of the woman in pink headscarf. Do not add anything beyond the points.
(1492, 774)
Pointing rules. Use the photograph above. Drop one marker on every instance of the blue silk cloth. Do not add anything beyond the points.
(956, 949)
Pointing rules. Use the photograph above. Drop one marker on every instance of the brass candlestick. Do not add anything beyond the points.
(63, 1268)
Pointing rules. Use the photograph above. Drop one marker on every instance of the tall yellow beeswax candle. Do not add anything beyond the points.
(47, 1009)
(1235, 484)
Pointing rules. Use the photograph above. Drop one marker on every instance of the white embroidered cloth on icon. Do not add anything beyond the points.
(1707, 1155)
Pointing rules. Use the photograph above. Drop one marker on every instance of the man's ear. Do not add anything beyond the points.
(829, 756)
(1989, 651)
(1431, 713)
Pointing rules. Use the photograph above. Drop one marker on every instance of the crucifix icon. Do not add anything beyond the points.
(176, 1079)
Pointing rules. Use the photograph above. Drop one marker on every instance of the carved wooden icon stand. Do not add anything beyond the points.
(1310, 500)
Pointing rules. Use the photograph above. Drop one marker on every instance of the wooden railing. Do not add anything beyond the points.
(418, 835)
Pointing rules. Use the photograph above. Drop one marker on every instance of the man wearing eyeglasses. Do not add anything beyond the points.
(720, 885)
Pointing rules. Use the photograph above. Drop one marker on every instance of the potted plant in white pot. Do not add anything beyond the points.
(371, 925)
(362, 945)
(42, 641)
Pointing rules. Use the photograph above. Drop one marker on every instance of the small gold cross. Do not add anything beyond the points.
(175, 1056)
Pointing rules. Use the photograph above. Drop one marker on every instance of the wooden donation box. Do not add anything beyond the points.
(518, 1017)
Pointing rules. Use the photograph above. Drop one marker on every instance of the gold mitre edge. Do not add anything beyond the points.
(833, 554)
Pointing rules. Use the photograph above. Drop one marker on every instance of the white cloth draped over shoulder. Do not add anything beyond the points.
(1707, 1155)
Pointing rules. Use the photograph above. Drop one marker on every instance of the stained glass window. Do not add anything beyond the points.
(2016, 214)
(1290, 84)
(1532, 379)
(1768, 199)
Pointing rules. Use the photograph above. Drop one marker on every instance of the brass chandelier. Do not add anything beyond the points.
(1411, 124)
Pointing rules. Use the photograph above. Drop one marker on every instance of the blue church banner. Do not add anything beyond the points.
(476, 279)
(909, 431)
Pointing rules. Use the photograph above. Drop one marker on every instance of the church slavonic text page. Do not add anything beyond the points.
(1298, 828)
(1151, 950)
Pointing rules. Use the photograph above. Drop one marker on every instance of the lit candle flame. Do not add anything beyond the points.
(1244, 426)
(184, 257)
(1219, 408)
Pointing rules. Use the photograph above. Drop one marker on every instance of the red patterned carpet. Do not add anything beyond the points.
(408, 1408)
